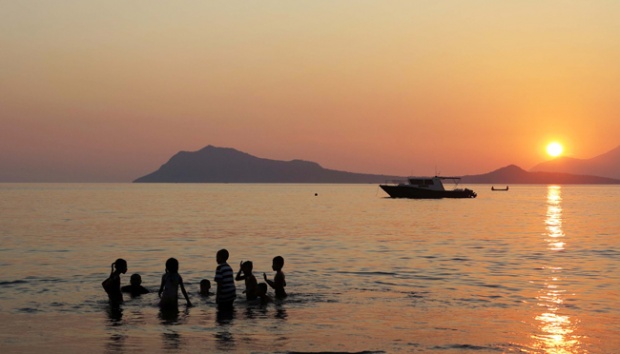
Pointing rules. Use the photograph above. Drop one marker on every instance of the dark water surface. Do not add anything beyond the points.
(531, 270)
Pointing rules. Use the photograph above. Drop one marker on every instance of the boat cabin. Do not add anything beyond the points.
(433, 183)
(421, 182)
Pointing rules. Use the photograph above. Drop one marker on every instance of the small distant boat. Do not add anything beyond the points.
(500, 189)
(426, 188)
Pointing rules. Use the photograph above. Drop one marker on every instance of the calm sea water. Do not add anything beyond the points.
(532, 270)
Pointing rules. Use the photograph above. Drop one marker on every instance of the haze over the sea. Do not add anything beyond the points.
(108, 91)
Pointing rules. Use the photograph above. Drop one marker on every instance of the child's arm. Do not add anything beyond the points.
(239, 276)
(184, 292)
(107, 284)
(161, 287)
(269, 282)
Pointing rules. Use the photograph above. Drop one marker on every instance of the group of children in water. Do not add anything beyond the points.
(225, 294)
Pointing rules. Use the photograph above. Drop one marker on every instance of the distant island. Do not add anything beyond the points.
(516, 175)
(226, 165)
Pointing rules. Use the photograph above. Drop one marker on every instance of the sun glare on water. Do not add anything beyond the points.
(554, 149)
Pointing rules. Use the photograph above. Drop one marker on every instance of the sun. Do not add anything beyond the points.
(554, 149)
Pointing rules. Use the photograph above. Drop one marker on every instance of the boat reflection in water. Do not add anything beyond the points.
(556, 328)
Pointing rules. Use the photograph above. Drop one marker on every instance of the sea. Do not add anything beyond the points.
(535, 269)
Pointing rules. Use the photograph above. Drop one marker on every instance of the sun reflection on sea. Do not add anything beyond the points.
(556, 329)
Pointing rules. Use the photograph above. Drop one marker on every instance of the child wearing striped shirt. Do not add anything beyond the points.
(225, 280)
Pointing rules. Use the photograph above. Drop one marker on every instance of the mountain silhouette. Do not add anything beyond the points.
(516, 175)
(605, 165)
(226, 165)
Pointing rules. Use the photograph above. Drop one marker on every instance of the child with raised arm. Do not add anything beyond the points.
(112, 285)
(250, 280)
(278, 282)
(170, 283)
(226, 291)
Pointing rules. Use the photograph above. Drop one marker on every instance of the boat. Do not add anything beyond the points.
(499, 189)
(426, 188)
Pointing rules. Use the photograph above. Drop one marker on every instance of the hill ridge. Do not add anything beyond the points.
(227, 165)
(604, 165)
(513, 174)
(213, 164)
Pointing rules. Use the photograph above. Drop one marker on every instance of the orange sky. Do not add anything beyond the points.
(108, 92)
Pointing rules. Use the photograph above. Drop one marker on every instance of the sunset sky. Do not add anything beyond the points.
(107, 91)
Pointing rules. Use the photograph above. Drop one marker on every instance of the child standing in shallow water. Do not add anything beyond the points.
(250, 280)
(278, 282)
(226, 290)
(112, 285)
(170, 283)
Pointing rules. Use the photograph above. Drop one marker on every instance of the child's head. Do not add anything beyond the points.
(222, 255)
(172, 265)
(261, 289)
(135, 279)
(247, 267)
(205, 285)
(120, 265)
(278, 263)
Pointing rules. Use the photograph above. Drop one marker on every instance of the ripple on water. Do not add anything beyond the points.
(468, 347)
(30, 310)
(9, 283)
(324, 352)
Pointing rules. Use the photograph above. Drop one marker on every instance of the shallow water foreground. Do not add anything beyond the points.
(532, 270)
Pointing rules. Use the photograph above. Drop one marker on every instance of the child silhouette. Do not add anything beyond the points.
(250, 280)
(170, 283)
(278, 282)
(112, 285)
(135, 288)
(205, 287)
(261, 293)
(226, 290)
